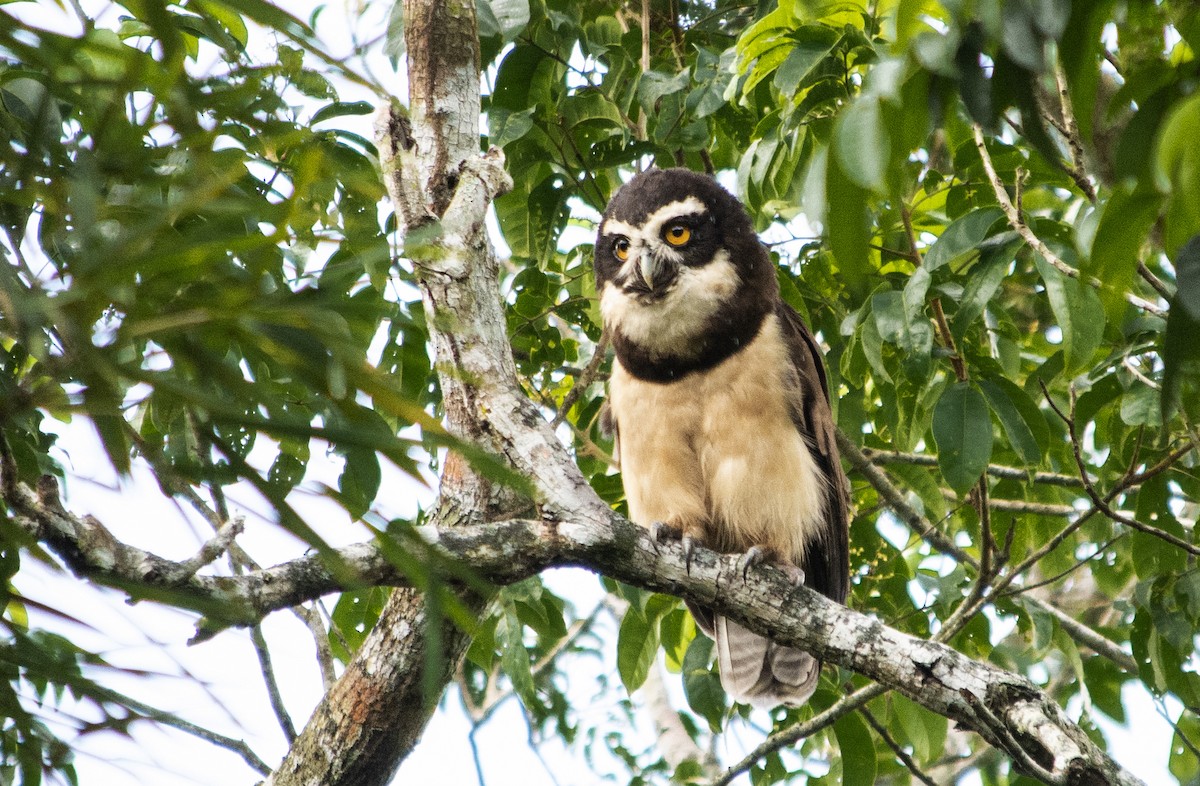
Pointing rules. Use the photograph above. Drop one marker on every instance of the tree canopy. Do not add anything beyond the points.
(988, 212)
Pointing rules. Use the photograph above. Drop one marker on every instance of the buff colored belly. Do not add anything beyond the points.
(717, 452)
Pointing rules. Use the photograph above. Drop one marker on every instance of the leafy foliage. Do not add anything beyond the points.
(988, 212)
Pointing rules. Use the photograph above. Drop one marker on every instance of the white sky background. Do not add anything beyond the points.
(218, 684)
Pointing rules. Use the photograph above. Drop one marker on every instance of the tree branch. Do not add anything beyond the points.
(1017, 222)
(895, 500)
(793, 734)
(1003, 707)
(901, 754)
(1101, 502)
(995, 470)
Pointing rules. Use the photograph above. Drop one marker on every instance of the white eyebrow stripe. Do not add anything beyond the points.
(680, 207)
(641, 236)
(614, 226)
(688, 206)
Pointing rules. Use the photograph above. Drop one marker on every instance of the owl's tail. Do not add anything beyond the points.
(758, 671)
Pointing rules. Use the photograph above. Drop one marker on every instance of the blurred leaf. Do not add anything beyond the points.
(849, 228)
(963, 430)
(857, 748)
(1124, 227)
(1178, 168)
(1181, 351)
(1079, 312)
(862, 145)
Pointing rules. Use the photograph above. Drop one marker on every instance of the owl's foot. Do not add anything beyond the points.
(757, 555)
(662, 532)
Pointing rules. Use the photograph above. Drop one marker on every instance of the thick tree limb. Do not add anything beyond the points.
(1004, 708)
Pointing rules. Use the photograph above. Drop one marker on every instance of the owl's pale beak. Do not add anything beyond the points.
(656, 272)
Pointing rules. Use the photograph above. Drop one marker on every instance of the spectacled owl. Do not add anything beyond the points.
(720, 408)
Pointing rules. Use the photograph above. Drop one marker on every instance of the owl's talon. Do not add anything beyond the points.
(755, 555)
(689, 546)
(794, 574)
(661, 532)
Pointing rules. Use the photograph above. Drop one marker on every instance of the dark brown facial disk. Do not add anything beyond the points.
(682, 278)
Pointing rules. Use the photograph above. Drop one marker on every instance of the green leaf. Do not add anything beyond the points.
(962, 237)
(637, 644)
(1178, 168)
(1187, 278)
(813, 43)
(1023, 424)
(505, 18)
(1181, 350)
(983, 282)
(505, 126)
(514, 658)
(900, 323)
(1079, 312)
(924, 730)
(848, 225)
(962, 429)
(701, 686)
(1124, 227)
(111, 430)
(857, 748)
(340, 109)
(862, 145)
(1183, 762)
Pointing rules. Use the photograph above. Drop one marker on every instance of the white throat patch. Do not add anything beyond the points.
(670, 326)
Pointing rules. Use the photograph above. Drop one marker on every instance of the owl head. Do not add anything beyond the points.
(682, 278)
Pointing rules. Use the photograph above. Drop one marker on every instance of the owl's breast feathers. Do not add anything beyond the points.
(721, 447)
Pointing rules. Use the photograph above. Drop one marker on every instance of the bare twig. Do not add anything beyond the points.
(645, 22)
(995, 470)
(1159, 286)
(895, 500)
(914, 253)
(1020, 756)
(1100, 502)
(960, 368)
(582, 382)
(213, 548)
(1070, 132)
(311, 617)
(791, 735)
(901, 754)
(168, 719)
(1021, 506)
(1086, 636)
(273, 692)
(987, 544)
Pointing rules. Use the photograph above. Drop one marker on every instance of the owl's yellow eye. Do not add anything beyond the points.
(678, 234)
(621, 248)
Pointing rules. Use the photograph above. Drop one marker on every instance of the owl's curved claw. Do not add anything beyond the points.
(755, 555)
(689, 546)
(661, 532)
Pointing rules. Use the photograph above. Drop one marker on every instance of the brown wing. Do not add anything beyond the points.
(826, 562)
